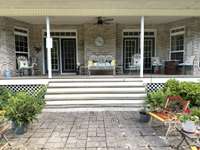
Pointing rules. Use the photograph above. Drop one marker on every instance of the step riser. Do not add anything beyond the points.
(97, 84)
(89, 109)
(95, 102)
(94, 105)
(95, 90)
(93, 96)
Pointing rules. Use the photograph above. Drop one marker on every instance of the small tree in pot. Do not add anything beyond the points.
(22, 109)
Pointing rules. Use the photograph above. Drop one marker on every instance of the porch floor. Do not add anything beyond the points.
(101, 76)
(148, 78)
(92, 131)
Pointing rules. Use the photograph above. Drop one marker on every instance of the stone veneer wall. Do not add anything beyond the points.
(107, 32)
(7, 42)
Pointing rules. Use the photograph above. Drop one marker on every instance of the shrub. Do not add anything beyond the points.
(40, 95)
(195, 112)
(172, 87)
(156, 99)
(5, 94)
(190, 91)
(187, 90)
(23, 108)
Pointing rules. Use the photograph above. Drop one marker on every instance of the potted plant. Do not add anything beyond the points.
(22, 109)
(188, 122)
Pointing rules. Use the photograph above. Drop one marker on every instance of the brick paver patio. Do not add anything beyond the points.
(92, 131)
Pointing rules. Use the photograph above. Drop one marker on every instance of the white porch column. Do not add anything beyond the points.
(48, 46)
(141, 46)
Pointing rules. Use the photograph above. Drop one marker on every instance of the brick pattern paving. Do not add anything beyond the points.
(91, 131)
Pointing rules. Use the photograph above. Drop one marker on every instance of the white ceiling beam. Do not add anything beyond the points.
(99, 12)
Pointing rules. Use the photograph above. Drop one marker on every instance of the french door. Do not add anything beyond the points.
(131, 46)
(68, 55)
(149, 52)
(63, 55)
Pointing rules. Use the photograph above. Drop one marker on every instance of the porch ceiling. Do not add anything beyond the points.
(81, 20)
(100, 7)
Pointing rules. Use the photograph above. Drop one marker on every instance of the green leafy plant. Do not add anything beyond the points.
(186, 117)
(40, 95)
(195, 111)
(156, 100)
(187, 90)
(23, 108)
(5, 94)
(190, 91)
(171, 87)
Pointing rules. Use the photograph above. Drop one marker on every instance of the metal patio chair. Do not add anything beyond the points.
(23, 65)
(135, 63)
(189, 62)
(156, 64)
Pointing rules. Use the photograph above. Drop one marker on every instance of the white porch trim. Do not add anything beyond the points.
(98, 12)
(44, 80)
(48, 46)
(142, 46)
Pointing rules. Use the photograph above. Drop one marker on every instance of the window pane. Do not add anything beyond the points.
(21, 46)
(177, 56)
(177, 42)
(21, 43)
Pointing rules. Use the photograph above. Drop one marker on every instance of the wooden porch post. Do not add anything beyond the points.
(141, 46)
(48, 46)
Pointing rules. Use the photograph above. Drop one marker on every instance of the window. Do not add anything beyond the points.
(21, 42)
(177, 44)
(58, 33)
(131, 46)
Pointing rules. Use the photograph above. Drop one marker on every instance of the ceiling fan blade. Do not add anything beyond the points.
(109, 19)
(107, 23)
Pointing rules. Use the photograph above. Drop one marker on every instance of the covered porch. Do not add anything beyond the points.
(61, 46)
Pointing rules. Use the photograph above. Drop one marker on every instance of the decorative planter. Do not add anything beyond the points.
(13, 125)
(144, 116)
(20, 129)
(189, 126)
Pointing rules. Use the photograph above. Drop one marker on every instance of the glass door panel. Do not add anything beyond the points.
(149, 48)
(130, 48)
(68, 51)
(55, 53)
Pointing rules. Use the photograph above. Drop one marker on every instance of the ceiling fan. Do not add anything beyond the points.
(103, 20)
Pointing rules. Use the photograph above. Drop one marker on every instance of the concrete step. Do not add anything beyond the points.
(95, 84)
(93, 96)
(92, 102)
(95, 90)
(93, 108)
